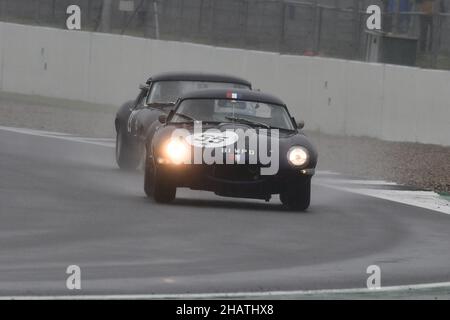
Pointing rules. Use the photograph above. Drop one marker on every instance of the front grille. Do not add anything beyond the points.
(237, 172)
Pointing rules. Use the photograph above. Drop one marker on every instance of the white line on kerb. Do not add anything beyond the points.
(225, 295)
(423, 199)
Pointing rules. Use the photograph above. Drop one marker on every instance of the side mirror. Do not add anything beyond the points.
(144, 87)
(300, 124)
(162, 118)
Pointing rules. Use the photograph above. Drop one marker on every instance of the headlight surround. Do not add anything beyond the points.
(298, 156)
(176, 151)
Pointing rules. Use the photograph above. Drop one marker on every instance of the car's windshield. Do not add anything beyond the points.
(224, 110)
(170, 91)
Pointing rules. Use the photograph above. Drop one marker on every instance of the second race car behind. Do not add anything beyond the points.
(158, 96)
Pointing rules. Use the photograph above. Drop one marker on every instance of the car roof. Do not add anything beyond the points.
(239, 94)
(198, 76)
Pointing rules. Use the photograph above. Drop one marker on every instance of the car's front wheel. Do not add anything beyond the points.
(127, 157)
(148, 177)
(155, 186)
(297, 197)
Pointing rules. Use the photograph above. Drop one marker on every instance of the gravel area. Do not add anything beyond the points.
(417, 165)
(422, 166)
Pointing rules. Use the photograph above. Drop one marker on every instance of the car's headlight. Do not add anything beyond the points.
(176, 151)
(298, 156)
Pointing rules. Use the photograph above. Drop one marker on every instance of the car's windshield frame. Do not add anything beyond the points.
(180, 101)
(242, 86)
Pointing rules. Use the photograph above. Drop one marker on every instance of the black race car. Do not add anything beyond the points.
(236, 143)
(158, 96)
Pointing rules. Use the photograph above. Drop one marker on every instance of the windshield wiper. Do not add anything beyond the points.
(246, 121)
(160, 105)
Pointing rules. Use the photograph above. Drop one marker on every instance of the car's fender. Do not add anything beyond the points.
(123, 115)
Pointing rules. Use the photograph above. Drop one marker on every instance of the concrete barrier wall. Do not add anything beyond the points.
(333, 96)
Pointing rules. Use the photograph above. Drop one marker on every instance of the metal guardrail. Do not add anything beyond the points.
(286, 26)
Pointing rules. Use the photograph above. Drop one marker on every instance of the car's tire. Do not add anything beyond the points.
(148, 176)
(127, 157)
(155, 185)
(163, 192)
(298, 196)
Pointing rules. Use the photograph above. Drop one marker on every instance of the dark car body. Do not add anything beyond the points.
(135, 118)
(239, 178)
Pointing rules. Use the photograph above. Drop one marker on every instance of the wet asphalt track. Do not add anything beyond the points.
(65, 202)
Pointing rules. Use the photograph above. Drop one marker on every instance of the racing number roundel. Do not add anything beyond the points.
(212, 139)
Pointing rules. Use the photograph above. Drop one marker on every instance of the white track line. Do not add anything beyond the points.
(341, 181)
(62, 136)
(33, 131)
(225, 295)
(423, 199)
(327, 173)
